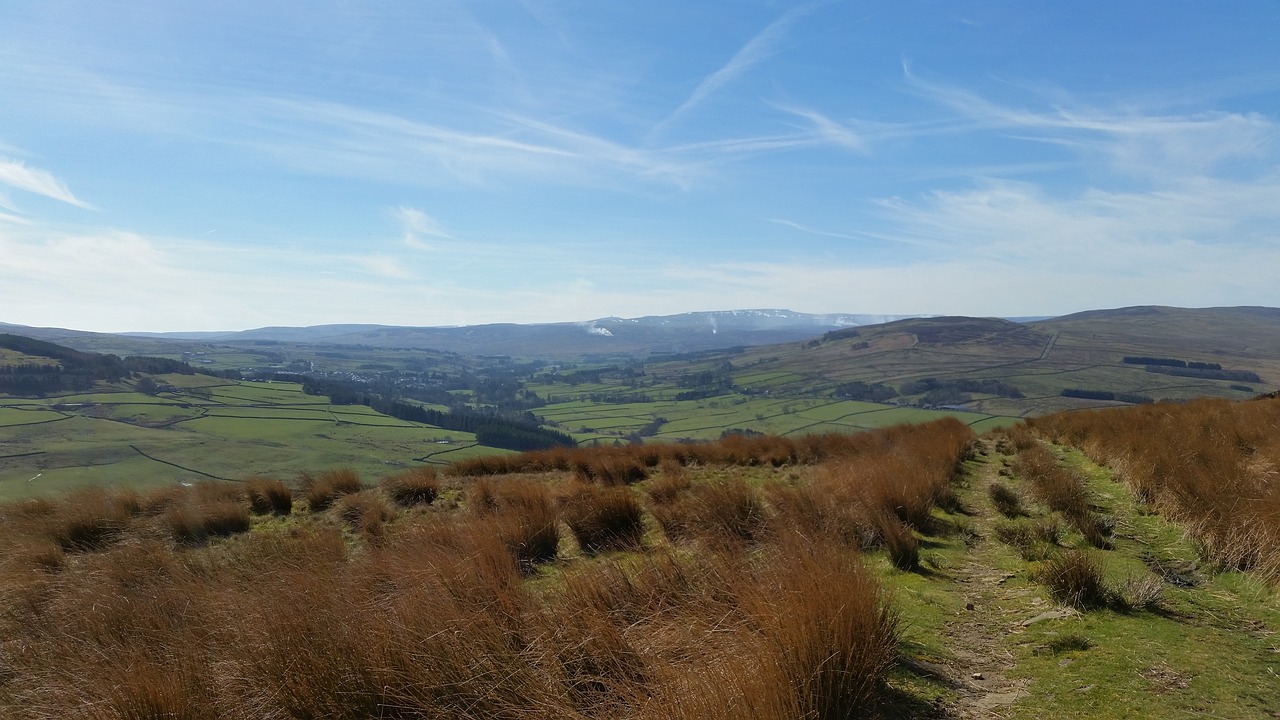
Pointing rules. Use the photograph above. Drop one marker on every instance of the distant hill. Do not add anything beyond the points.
(1086, 359)
(612, 336)
(1230, 352)
(34, 367)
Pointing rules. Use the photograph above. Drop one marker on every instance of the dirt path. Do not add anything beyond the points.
(994, 609)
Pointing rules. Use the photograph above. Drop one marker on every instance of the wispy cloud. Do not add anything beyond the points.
(826, 130)
(8, 217)
(813, 231)
(1150, 145)
(417, 225)
(381, 265)
(1209, 241)
(444, 140)
(757, 49)
(110, 280)
(17, 174)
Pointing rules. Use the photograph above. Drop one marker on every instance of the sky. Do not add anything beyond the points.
(174, 166)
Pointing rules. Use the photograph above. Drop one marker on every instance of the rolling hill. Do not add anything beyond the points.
(1224, 352)
(612, 336)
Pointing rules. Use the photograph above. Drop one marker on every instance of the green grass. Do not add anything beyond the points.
(25, 415)
(1206, 651)
(707, 419)
(261, 428)
(123, 397)
(311, 412)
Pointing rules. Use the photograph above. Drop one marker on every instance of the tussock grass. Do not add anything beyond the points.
(1075, 578)
(455, 613)
(87, 526)
(268, 496)
(834, 639)
(419, 486)
(1005, 499)
(1211, 465)
(365, 512)
(672, 480)
(1062, 490)
(1015, 438)
(624, 464)
(1143, 592)
(1032, 539)
(612, 469)
(1071, 642)
(898, 540)
(324, 488)
(604, 519)
(195, 521)
(721, 511)
(523, 514)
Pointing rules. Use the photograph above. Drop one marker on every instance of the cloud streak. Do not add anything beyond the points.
(1155, 147)
(417, 225)
(16, 174)
(757, 49)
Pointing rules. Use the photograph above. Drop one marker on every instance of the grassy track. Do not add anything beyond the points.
(984, 634)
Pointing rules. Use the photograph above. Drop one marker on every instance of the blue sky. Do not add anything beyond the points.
(201, 166)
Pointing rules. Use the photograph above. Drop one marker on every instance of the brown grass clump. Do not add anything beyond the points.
(83, 521)
(627, 462)
(612, 469)
(1062, 490)
(45, 555)
(194, 522)
(672, 480)
(1014, 438)
(825, 622)
(1209, 464)
(1005, 499)
(1056, 486)
(725, 510)
(481, 497)
(603, 519)
(898, 540)
(1033, 540)
(85, 525)
(155, 501)
(326, 487)
(1075, 578)
(268, 496)
(419, 486)
(880, 498)
(365, 512)
(523, 514)
(823, 644)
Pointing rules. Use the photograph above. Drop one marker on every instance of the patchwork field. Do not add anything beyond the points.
(205, 428)
(707, 419)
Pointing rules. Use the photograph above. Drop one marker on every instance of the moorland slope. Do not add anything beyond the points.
(912, 572)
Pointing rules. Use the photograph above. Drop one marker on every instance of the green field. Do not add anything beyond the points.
(53, 444)
(202, 426)
(707, 419)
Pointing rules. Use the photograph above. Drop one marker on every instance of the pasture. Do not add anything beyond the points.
(205, 428)
(707, 419)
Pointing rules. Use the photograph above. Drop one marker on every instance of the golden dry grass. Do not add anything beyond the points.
(362, 611)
